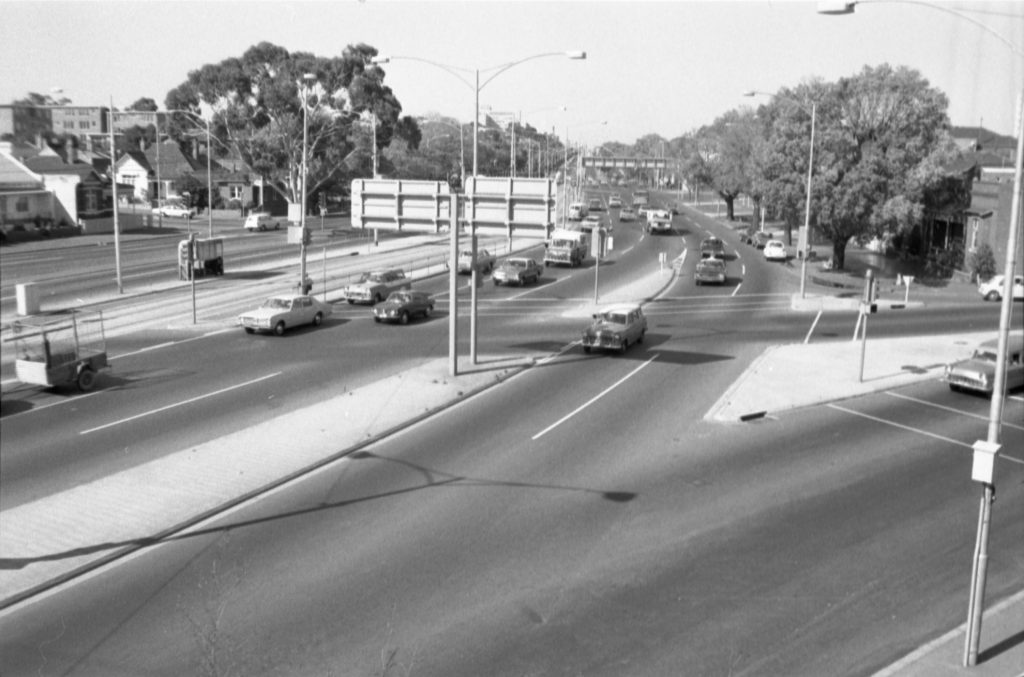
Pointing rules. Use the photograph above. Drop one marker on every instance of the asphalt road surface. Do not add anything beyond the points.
(581, 518)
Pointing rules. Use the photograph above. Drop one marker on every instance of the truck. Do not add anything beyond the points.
(205, 258)
(567, 247)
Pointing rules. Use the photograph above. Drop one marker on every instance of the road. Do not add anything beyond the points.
(587, 521)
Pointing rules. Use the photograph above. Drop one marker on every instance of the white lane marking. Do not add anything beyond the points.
(955, 411)
(736, 290)
(595, 398)
(170, 343)
(807, 339)
(178, 404)
(900, 425)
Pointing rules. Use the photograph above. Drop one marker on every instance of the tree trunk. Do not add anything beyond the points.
(730, 214)
(839, 254)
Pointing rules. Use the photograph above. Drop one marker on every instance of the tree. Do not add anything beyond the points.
(257, 103)
(878, 131)
(144, 104)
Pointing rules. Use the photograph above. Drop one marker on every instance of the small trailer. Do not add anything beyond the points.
(199, 257)
(61, 348)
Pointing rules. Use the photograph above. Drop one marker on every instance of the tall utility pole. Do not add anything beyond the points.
(113, 193)
(306, 79)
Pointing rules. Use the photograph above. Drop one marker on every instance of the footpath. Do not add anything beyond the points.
(54, 539)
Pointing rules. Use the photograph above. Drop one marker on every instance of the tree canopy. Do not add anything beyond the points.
(259, 102)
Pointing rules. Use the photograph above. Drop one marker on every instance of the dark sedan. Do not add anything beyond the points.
(401, 306)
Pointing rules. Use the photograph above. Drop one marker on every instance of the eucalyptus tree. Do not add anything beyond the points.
(883, 155)
(258, 103)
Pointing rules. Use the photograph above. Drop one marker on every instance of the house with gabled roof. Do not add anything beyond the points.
(81, 192)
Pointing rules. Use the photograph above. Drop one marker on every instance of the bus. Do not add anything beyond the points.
(641, 198)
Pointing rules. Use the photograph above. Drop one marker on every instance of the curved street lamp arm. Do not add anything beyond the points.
(453, 70)
(504, 67)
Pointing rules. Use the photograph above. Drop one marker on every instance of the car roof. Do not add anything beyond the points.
(621, 308)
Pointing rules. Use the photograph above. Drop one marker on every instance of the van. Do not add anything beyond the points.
(577, 211)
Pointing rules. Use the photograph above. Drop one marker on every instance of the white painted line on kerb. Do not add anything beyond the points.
(736, 290)
(900, 425)
(595, 398)
(178, 404)
(807, 339)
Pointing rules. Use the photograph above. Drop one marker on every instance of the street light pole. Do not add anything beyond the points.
(476, 86)
(976, 603)
(113, 187)
(306, 79)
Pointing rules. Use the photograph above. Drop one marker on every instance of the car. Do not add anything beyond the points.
(401, 306)
(517, 270)
(709, 270)
(261, 221)
(376, 285)
(577, 211)
(758, 239)
(595, 205)
(282, 312)
(614, 201)
(175, 210)
(992, 289)
(712, 247)
(627, 214)
(659, 221)
(977, 373)
(485, 261)
(616, 328)
(775, 250)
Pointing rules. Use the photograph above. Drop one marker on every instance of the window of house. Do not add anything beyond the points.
(235, 192)
(21, 204)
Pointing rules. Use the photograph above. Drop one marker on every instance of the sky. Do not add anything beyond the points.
(664, 67)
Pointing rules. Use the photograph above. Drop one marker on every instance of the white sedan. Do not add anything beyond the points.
(279, 313)
(175, 210)
(775, 250)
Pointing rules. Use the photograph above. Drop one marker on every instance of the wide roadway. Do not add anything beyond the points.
(580, 517)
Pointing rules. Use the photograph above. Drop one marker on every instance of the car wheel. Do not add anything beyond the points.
(641, 337)
(279, 329)
(318, 319)
(250, 330)
(351, 301)
(277, 226)
(86, 380)
(260, 228)
(586, 349)
(404, 317)
(547, 264)
(376, 319)
(378, 298)
(623, 347)
(495, 283)
(992, 296)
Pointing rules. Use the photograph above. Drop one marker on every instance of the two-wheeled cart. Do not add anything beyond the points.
(60, 348)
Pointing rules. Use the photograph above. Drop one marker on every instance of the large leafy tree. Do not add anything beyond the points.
(883, 137)
(723, 156)
(258, 102)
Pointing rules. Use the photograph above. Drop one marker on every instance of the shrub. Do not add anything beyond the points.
(945, 261)
(983, 262)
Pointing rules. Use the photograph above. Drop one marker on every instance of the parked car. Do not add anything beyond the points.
(279, 313)
(485, 261)
(175, 210)
(401, 306)
(978, 372)
(709, 270)
(614, 201)
(375, 286)
(595, 205)
(517, 271)
(577, 211)
(775, 250)
(992, 289)
(627, 214)
(758, 239)
(261, 221)
(616, 328)
(712, 248)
